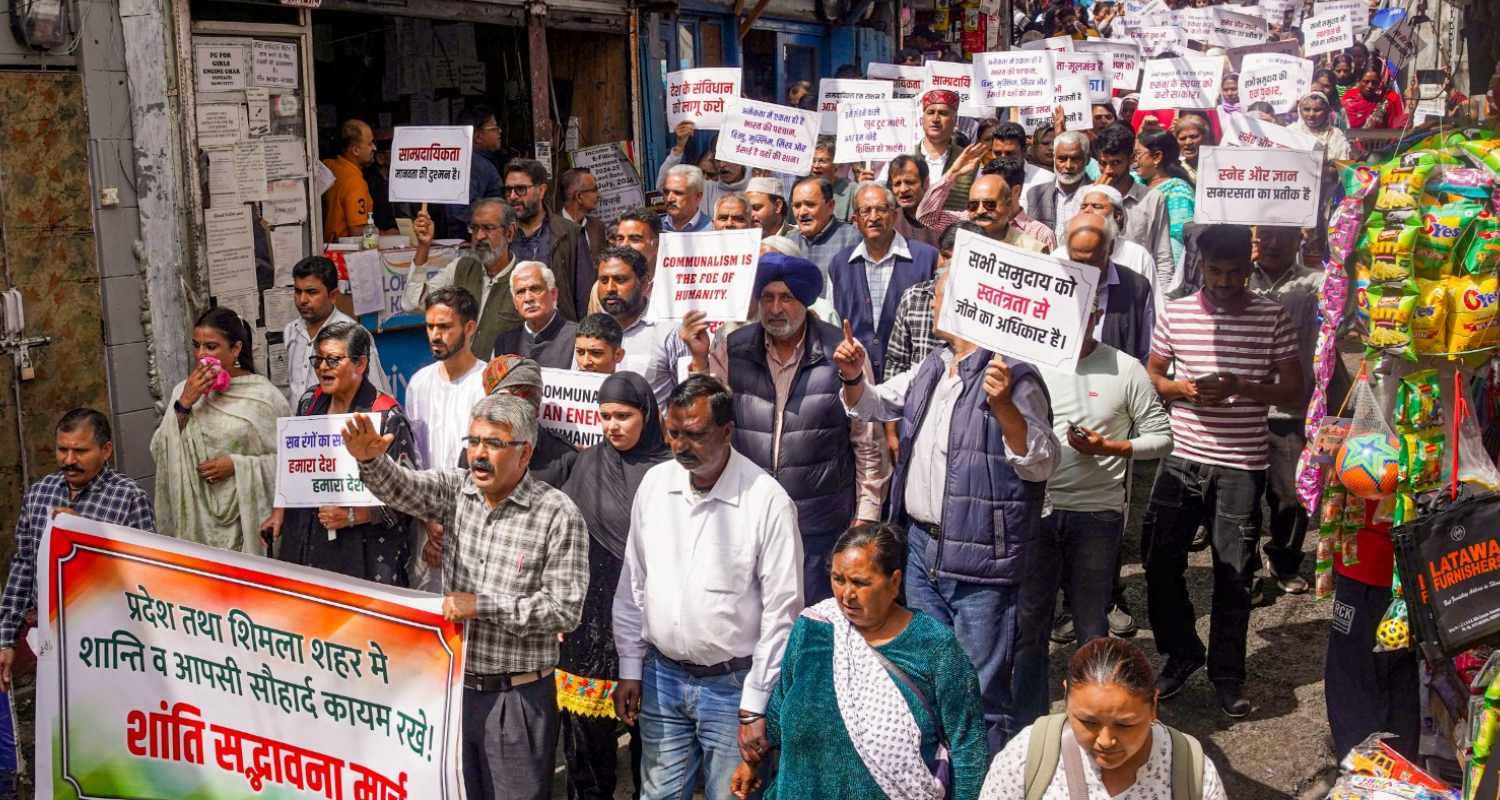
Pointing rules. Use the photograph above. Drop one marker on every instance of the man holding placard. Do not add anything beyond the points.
(788, 419)
(481, 272)
(977, 448)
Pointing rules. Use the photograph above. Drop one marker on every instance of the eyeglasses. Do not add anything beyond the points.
(333, 362)
(989, 205)
(475, 230)
(872, 211)
(491, 444)
(510, 190)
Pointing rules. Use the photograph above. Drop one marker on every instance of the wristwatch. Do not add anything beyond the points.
(351, 516)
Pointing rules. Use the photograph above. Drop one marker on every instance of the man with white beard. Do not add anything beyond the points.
(484, 271)
(1056, 202)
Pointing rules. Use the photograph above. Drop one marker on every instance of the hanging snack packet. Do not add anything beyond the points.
(1471, 313)
(1429, 322)
(1482, 251)
(1344, 227)
(1422, 459)
(1484, 153)
(1391, 308)
(1417, 398)
(1391, 249)
(1402, 181)
(1442, 227)
(1360, 180)
(1460, 183)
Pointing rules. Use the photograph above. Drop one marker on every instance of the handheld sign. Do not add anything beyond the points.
(708, 271)
(1123, 60)
(832, 92)
(873, 130)
(1233, 29)
(768, 136)
(958, 78)
(430, 164)
(1275, 79)
(906, 82)
(570, 405)
(1090, 68)
(1191, 82)
(1073, 96)
(1018, 303)
(1258, 186)
(701, 96)
(1327, 33)
(313, 468)
(1013, 78)
(619, 185)
(1243, 130)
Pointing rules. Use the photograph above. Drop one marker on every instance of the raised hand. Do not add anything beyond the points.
(684, 132)
(421, 228)
(997, 380)
(363, 441)
(849, 357)
(694, 333)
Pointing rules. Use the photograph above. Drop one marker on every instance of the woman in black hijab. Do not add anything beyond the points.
(603, 485)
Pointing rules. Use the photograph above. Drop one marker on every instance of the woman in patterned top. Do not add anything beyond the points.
(1109, 739)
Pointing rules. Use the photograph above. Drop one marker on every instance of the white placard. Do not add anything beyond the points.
(1090, 68)
(1173, 83)
(1155, 14)
(1358, 10)
(220, 125)
(1073, 96)
(709, 271)
(873, 131)
(366, 281)
(1123, 58)
(614, 175)
(1280, 82)
(1034, 118)
(570, 405)
(1018, 303)
(1233, 29)
(959, 78)
(1327, 33)
(701, 96)
(275, 65)
(221, 66)
(1196, 23)
(430, 164)
(768, 136)
(1055, 44)
(906, 81)
(832, 92)
(1014, 78)
(313, 468)
(1400, 42)
(1243, 130)
(1157, 40)
(230, 244)
(1258, 186)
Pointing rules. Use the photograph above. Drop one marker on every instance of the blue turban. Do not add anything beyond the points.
(800, 275)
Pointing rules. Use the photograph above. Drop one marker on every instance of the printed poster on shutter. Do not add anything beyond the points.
(619, 185)
(570, 405)
(832, 92)
(1014, 78)
(708, 271)
(1258, 186)
(169, 668)
(1327, 33)
(1018, 303)
(701, 96)
(430, 164)
(1190, 82)
(1275, 79)
(768, 136)
(906, 81)
(1088, 67)
(873, 131)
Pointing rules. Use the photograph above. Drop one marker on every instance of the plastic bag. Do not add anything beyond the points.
(1367, 464)
(1484, 153)
(1393, 634)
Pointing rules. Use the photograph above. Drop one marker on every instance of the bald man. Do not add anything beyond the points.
(1129, 312)
(347, 203)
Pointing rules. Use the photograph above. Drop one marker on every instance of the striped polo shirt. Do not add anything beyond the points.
(1201, 339)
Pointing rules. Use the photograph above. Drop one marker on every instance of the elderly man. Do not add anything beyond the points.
(481, 272)
(1055, 202)
(1104, 200)
(516, 572)
(820, 235)
(580, 194)
(682, 188)
(977, 448)
(727, 178)
(544, 336)
(870, 277)
(706, 600)
(599, 344)
(1010, 142)
(732, 213)
(1146, 221)
(484, 175)
(347, 203)
(84, 484)
(768, 206)
(315, 292)
(994, 202)
(787, 415)
(1129, 315)
(543, 236)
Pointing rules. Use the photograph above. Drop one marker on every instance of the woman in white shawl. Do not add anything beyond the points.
(216, 451)
(1315, 118)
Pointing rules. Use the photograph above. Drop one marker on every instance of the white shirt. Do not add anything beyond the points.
(1133, 257)
(418, 287)
(1067, 208)
(1007, 776)
(1035, 176)
(878, 273)
(711, 577)
(300, 375)
(439, 411)
(642, 341)
(925, 478)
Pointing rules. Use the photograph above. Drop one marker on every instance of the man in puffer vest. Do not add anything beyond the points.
(788, 417)
(977, 448)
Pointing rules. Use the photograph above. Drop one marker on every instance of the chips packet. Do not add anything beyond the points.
(1471, 312)
(1442, 228)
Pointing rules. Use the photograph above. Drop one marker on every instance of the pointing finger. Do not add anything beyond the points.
(848, 332)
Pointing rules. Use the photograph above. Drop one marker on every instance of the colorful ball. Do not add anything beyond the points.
(1393, 634)
(1369, 465)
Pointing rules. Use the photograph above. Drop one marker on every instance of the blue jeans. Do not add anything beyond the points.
(984, 617)
(1076, 551)
(688, 723)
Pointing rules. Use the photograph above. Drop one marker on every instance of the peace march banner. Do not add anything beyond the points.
(173, 669)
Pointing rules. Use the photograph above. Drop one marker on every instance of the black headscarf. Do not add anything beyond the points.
(604, 479)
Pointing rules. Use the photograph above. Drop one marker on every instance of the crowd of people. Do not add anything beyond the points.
(818, 553)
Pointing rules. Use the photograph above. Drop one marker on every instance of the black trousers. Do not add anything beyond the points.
(1186, 494)
(1287, 520)
(1368, 692)
(591, 746)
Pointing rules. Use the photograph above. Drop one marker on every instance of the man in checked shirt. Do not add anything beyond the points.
(516, 567)
(83, 484)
